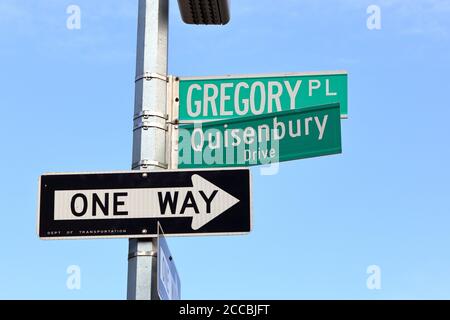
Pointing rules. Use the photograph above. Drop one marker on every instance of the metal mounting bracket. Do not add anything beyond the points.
(142, 254)
(148, 163)
(149, 124)
(152, 75)
(147, 113)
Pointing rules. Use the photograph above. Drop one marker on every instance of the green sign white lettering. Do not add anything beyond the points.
(216, 98)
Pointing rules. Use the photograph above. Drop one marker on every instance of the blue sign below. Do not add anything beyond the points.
(169, 285)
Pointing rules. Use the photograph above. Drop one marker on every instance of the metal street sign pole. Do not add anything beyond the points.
(149, 133)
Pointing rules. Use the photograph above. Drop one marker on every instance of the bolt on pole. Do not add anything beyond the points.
(149, 133)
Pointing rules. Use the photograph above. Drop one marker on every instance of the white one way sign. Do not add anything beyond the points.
(183, 202)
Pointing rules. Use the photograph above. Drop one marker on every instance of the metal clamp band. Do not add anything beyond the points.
(174, 122)
(148, 113)
(152, 75)
(142, 254)
(148, 124)
(148, 163)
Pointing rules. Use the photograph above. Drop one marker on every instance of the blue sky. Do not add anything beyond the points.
(66, 102)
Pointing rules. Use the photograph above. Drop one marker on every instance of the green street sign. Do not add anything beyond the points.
(263, 139)
(227, 97)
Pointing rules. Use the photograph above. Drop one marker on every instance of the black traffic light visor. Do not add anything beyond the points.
(204, 11)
